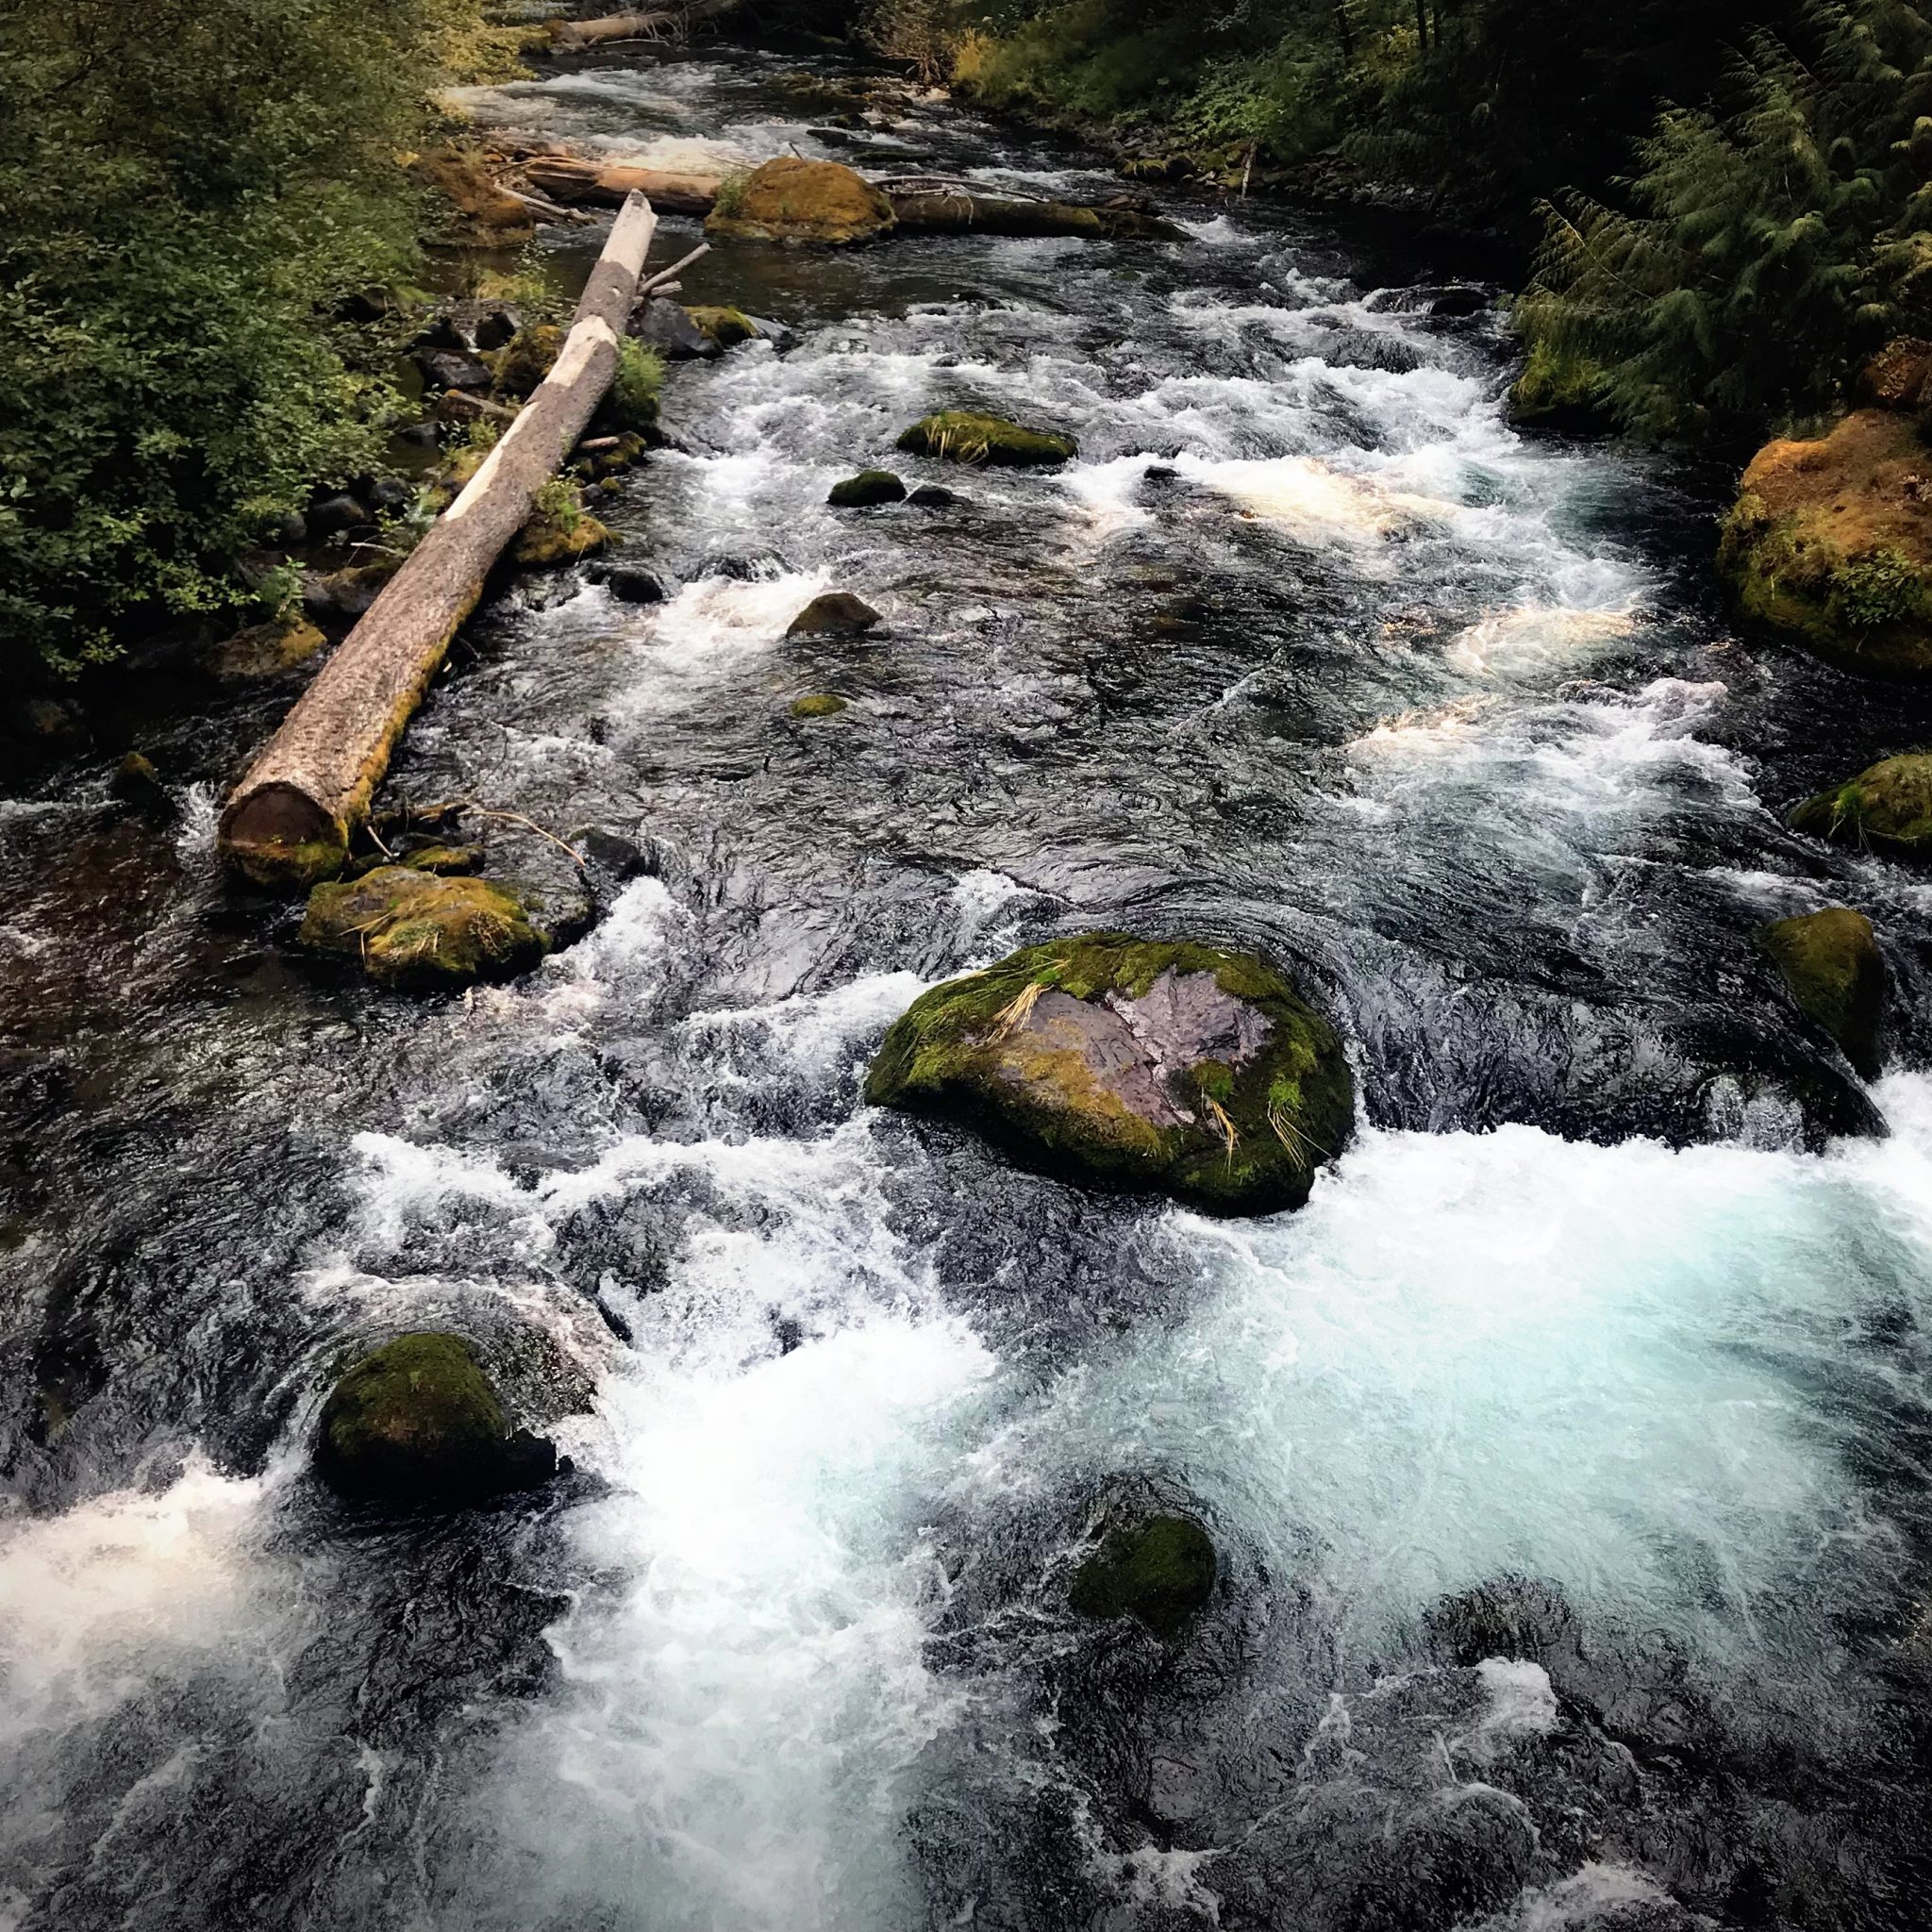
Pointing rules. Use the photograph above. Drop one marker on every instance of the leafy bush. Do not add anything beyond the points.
(193, 188)
(1873, 592)
(1765, 249)
(632, 403)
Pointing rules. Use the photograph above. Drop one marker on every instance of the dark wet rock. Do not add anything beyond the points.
(451, 369)
(332, 515)
(792, 200)
(267, 650)
(418, 1421)
(819, 705)
(631, 583)
(136, 783)
(1831, 963)
(934, 496)
(667, 326)
(759, 567)
(970, 436)
(289, 531)
(389, 493)
(413, 929)
(1459, 302)
(418, 435)
(497, 328)
(611, 859)
(1512, 1617)
(869, 487)
(447, 331)
(837, 614)
(1887, 807)
(526, 359)
(1161, 1572)
(1128, 1063)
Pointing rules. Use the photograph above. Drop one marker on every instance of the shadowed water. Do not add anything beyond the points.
(1566, 1456)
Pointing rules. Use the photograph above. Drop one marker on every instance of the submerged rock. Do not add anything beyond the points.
(934, 496)
(1128, 1063)
(819, 705)
(136, 783)
(1830, 544)
(1833, 967)
(418, 1421)
(1161, 1572)
(631, 583)
(416, 929)
(1888, 805)
(795, 200)
(838, 613)
(969, 436)
(726, 326)
(869, 487)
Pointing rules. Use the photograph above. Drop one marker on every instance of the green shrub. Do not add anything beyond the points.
(1876, 591)
(635, 389)
(193, 188)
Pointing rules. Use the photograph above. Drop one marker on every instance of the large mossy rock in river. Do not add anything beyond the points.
(967, 436)
(1161, 1572)
(1832, 965)
(1830, 544)
(419, 1421)
(411, 928)
(1886, 807)
(1126, 1064)
(795, 200)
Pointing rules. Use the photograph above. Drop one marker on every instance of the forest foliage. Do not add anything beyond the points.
(193, 188)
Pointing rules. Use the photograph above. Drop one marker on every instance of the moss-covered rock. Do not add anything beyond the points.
(969, 436)
(1834, 970)
(266, 650)
(527, 359)
(1120, 1062)
(837, 614)
(480, 211)
(1887, 808)
(411, 928)
(1561, 391)
(1160, 1570)
(550, 540)
(418, 1421)
(867, 488)
(725, 326)
(1830, 544)
(798, 201)
(820, 705)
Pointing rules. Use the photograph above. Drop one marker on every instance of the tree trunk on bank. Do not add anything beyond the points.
(567, 179)
(659, 23)
(289, 822)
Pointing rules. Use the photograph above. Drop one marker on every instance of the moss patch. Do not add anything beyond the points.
(414, 929)
(527, 359)
(967, 436)
(725, 326)
(820, 705)
(1832, 966)
(799, 201)
(1161, 1572)
(266, 650)
(1830, 544)
(419, 1421)
(1237, 1132)
(1887, 807)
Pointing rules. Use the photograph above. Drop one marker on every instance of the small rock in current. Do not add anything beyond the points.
(631, 583)
(838, 613)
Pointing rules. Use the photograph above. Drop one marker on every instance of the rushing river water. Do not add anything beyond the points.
(1567, 1456)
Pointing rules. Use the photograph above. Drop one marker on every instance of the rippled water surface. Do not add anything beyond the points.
(1567, 1456)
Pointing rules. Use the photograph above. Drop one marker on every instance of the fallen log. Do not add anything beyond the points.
(956, 211)
(660, 24)
(565, 178)
(289, 821)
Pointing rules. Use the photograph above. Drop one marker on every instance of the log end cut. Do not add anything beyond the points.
(277, 835)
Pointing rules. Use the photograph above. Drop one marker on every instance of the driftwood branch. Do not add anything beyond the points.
(289, 822)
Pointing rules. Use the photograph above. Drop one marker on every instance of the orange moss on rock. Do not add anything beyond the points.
(794, 200)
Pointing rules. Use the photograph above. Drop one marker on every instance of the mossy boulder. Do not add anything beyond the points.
(820, 705)
(1830, 544)
(266, 650)
(867, 488)
(1834, 970)
(969, 436)
(1161, 1572)
(526, 359)
(481, 211)
(1887, 808)
(794, 200)
(417, 930)
(548, 540)
(837, 614)
(725, 326)
(1127, 1063)
(418, 1421)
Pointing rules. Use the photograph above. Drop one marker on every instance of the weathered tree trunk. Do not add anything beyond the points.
(568, 180)
(1422, 26)
(289, 822)
(951, 211)
(660, 24)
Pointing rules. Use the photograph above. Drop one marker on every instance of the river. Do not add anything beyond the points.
(1566, 1457)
